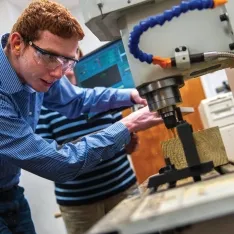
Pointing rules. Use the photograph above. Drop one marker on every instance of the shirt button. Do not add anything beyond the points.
(30, 113)
(101, 159)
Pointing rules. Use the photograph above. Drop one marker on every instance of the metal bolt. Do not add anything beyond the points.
(231, 46)
(224, 17)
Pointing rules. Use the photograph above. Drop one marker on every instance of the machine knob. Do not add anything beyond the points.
(224, 17)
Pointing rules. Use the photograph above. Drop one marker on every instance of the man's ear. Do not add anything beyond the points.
(16, 43)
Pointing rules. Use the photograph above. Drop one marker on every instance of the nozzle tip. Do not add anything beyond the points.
(219, 2)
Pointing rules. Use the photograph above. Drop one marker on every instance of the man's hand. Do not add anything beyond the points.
(141, 120)
(133, 144)
(137, 99)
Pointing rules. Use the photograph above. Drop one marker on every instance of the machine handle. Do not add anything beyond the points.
(160, 19)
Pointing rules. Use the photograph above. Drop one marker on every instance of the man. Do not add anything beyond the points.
(34, 57)
(87, 198)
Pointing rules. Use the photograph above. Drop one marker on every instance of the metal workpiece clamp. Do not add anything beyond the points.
(182, 58)
(169, 174)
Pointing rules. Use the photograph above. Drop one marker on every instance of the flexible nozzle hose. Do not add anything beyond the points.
(159, 20)
(209, 56)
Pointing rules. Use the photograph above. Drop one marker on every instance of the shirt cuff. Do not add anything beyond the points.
(123, 97)
(120, 135)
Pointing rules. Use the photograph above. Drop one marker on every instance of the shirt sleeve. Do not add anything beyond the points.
(71, 101)
(20, 146)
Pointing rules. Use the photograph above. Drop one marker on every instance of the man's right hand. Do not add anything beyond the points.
(141, 120)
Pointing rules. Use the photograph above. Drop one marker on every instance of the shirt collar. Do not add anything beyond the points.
(29, 89)
(9, 81)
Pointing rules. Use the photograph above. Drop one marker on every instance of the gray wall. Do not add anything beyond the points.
(40, 195)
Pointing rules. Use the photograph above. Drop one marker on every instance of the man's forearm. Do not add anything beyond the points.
(72, 101)
(63, 163)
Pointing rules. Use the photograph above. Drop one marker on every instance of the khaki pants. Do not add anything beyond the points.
(78, 219)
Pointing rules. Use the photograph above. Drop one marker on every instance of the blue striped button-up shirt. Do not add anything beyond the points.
(20, 147)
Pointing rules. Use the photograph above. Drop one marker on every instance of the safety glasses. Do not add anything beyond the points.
(51, 61)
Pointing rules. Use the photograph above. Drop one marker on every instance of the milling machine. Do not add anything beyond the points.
(195, 37)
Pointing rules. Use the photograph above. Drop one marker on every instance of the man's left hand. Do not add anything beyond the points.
(137, 99)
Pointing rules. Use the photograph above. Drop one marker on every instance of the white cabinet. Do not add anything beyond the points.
(219, 111)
